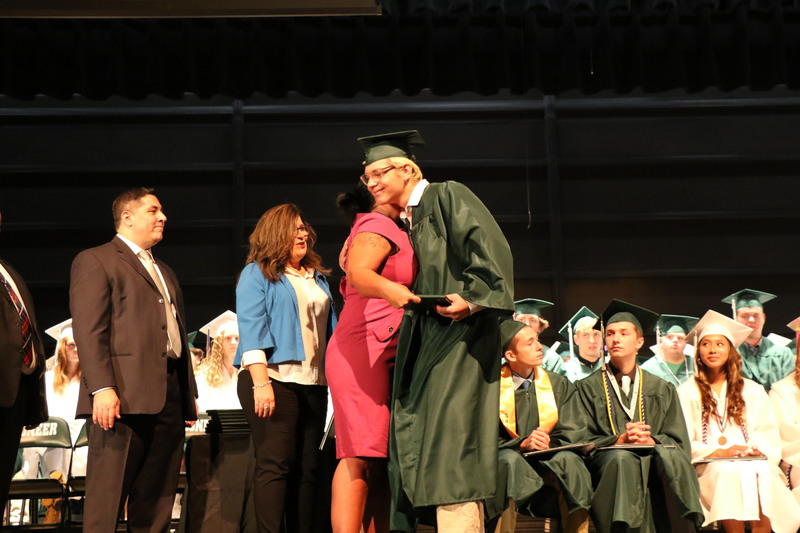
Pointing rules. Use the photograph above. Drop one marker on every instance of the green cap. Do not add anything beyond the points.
(508, 330)
(584, 315)
(619, 311)
(397, 144)
(530, 306)
(748, 298)
(675, 324)
(191, 336)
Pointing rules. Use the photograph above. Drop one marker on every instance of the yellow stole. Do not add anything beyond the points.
(545, 400)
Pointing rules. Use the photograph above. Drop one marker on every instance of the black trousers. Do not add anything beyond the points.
(11, 422)
(286, 448)
(137, 460)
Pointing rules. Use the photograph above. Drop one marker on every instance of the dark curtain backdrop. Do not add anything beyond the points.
(447, 46)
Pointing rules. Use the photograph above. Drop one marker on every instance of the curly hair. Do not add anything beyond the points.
(733, 376)
(213, 365)
(60, 378)
(272, 241)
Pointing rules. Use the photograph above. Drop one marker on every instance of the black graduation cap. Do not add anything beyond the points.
(619, 311)
(397, 144)
(508, 330)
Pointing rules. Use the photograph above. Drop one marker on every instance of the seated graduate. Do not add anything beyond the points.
(529, 311)
(729, 419)
(588, 344)
(763, 361)
(216, 376)
(643, 490)
(785, 397)
(671, 361)
(538, 410)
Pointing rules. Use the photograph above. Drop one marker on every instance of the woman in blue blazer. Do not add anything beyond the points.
(286, 316)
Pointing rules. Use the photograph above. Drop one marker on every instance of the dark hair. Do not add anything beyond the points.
(272, 240)
(350, 204)
(733, 377)
(124, 202)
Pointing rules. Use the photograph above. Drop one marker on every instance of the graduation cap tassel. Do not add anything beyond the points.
(569, 329)
(605, 348)
(733, 308)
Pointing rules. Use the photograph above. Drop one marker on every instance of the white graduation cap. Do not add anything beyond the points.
(226, 322)
(61, 330)
(714, 323)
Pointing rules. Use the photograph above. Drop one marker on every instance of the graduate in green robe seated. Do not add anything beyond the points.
(645, 482)
(585, 344)
(763, 361)
(529, 311)
(446, 388)
(670, 361)
(539, 410)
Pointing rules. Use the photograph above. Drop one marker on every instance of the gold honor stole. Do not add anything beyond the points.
(545, 400)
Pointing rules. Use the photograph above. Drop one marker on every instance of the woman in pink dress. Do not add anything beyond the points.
(380, 267)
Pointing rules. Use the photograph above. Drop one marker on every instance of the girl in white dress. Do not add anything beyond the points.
(735, 440)
(216, 376)
(785, 397)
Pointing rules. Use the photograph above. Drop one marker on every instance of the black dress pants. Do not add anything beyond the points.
(287, 456)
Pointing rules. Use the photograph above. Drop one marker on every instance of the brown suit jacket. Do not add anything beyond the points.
(120, 328)
(11, 354)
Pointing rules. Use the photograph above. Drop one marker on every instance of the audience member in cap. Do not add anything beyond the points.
(670, 361)
(586, 344)
(62, 384)
(785, 397)
(763, 361)
(730, 417)
(216, 376)
(380, 268)
(286, 316)
(443, 445)
(529, 311)
(538, 410)
(641, 490)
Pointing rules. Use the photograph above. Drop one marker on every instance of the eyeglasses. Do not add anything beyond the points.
(376, 174)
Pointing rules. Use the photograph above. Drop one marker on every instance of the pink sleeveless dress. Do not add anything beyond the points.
(360, 354)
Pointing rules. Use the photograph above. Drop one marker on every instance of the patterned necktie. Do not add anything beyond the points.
(24, 323)
(407, 221)
(173, 331)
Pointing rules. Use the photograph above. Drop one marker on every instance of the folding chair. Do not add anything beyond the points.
(51, 434)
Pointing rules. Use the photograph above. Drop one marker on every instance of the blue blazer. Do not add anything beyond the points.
(269, 318)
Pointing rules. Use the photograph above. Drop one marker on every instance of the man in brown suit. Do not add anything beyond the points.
(22, 397)
(137, 384)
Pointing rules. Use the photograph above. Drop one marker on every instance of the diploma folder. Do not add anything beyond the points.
(744, 458)
(540, 455)
(429, 301)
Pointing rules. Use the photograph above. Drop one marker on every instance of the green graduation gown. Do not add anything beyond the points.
(521, 479)
(658, 367)
(632, 487)
(767, 364)
(445, 398)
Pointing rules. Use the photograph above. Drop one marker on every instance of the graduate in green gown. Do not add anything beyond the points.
(446, 389)
(529, 311)
(670, 361)
(585, 344)
(763, 361)
(539, 410)
(642, 490)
